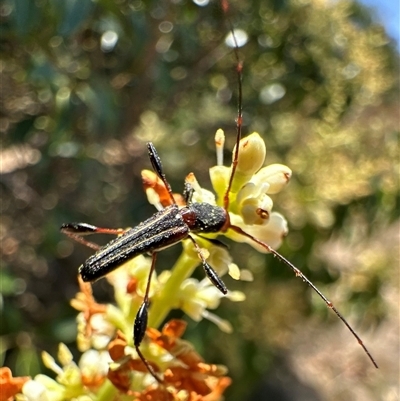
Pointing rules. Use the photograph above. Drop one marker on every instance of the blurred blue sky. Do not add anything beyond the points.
(387, 12)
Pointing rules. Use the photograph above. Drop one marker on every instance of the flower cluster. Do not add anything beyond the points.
(110, 367)
(250, 206)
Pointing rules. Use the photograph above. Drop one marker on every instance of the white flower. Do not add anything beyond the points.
(42, 388)
(250, 206)
(196, 297)
(271, 233)
(94, 364)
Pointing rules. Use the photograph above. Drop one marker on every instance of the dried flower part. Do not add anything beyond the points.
(156, 193)
(90, 318)
(191, 372)
(185, 372)
(9, 385)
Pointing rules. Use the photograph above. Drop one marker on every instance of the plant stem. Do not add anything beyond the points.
(166, 299)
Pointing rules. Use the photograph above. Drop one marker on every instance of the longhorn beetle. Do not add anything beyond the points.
(172, 225)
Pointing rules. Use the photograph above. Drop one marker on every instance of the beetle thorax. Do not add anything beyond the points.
(203, 217)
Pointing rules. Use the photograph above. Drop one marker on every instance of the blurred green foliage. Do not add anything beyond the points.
(86, 83)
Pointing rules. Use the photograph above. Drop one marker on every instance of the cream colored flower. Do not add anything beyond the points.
(250, 206)
(41, 388)
(195, 297)
(271, 233)
(137, 268)
(72, 380)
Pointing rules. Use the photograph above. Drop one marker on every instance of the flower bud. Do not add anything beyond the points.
(251, 158)
(156, 192)
(64, 354)
(251, 154)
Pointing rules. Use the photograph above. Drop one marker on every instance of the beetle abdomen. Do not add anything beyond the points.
(165, 228)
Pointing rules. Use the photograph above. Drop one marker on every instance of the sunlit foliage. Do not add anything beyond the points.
(84, 84)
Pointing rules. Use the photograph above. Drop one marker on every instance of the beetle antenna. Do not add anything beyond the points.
(239, 123)
(239, 119)
(298, 273)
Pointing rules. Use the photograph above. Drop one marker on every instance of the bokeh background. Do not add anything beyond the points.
(84, 85)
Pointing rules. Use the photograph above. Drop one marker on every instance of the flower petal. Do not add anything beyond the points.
(271, 233)
(277, 176)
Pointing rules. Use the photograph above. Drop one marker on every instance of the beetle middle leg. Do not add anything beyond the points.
(140, 325)
(210, 272)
